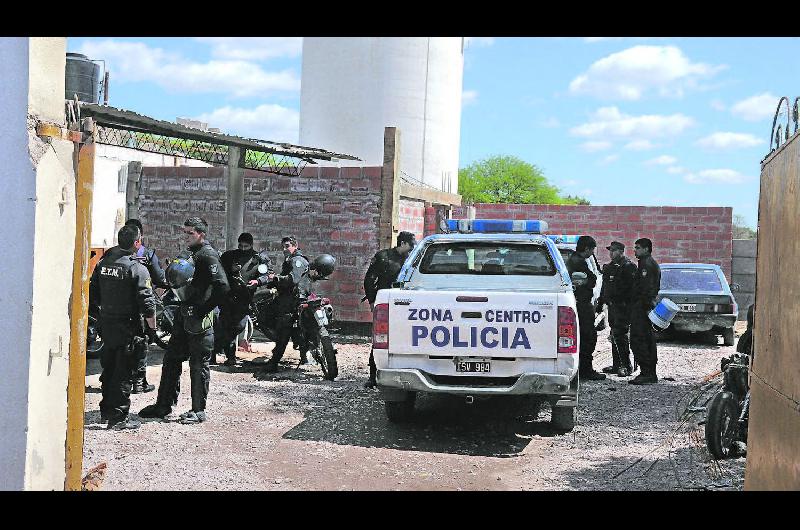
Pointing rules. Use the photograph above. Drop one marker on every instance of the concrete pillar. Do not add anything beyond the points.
(38, 199)
(389, 224)
(234, 208)
(134, 171)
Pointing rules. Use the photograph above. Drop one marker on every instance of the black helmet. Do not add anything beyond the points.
(179, 275)
(324, 264)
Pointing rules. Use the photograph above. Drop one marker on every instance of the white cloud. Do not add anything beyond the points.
(663, 160)
(610, 122)
(756, 108)
(676, 170)
(609, 159)
(569, 183)
(135, 61)
(592, 40)
(715, 176)
(254, 48)
(640, 145)
(593, 147)
(478, 41)
(468, 97)
(551, 123)
(720, 141)
(716, 104)
(265, 122)
(629, 74)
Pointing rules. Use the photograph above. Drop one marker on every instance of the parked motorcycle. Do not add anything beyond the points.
(728, 412)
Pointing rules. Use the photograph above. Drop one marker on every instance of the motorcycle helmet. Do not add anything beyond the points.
(179, 277)
(324, 264)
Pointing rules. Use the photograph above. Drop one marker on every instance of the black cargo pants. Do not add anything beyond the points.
(643, 339)
(197, 349)
(231, 322)
(118, 362)
(619, 319)
(588, 336)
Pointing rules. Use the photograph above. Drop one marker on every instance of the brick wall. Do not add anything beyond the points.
(329, 209)
(412, 217)
(679, 234)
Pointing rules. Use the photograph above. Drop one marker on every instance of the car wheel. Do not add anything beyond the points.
(563, 418)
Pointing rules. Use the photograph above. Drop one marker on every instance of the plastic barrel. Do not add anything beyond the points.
(663, 313)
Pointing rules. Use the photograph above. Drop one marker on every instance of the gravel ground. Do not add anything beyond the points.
(295, 431)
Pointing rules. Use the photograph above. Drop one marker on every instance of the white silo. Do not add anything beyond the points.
(353, 87)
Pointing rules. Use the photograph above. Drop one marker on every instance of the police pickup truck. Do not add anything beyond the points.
(485, 310)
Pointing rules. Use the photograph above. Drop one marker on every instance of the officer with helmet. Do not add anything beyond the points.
(200, 284)
(121, 287)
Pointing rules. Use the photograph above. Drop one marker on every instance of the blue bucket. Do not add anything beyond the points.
(663, 313)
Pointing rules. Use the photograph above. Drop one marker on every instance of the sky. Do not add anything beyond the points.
(620, 121)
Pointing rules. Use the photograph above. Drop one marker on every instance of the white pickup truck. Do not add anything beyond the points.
(487, 311)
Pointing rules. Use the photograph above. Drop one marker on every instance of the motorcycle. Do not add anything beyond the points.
(728, 412)
(309, 333)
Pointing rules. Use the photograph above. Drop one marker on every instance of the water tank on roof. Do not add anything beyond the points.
(82, 78)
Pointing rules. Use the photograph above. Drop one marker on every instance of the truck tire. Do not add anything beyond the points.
(563, 418)
(722, 425)
(401, 411)
(727, 337)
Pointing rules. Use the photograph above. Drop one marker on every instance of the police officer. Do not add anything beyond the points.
(294, 282)
(645, 291)
(617, 291)
(121, 287)
(383, 270)
(241, 267)
(584, 249)
(193, 333)
(150, 260)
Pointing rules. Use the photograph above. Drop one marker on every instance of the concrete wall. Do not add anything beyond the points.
(329, 209)
(37, 229)
(744, 273)
(679, 234)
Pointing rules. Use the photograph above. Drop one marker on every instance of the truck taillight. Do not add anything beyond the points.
(725, 308)
(380, 327)
(567, 330)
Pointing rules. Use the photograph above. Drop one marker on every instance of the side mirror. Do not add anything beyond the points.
(579, 278)
(735, 287)
(263, 269)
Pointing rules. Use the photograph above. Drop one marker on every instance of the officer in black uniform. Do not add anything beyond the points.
(121, 287)
(645, 291)
(583, 298)
(193, 331)
(294, 282)
(617, 292)
(150, 260)
(241, 267)
(382, 272)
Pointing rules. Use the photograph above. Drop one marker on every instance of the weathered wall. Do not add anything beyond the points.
(679, 234)
(412, 217)
(744, 273)
(38, 197)
(329, 209)
(773, 452)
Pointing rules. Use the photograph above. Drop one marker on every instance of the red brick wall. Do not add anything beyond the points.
(412, 217)
(329, 209)
(679, 234)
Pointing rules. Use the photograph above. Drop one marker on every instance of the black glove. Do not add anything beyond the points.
(599, 308)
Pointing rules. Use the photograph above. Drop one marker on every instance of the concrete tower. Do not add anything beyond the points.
(353, 87)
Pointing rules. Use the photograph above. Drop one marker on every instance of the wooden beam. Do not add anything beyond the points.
(78, 309)
(429, 195)
(389, 220)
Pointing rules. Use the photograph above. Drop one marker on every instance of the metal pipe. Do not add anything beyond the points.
(105, 89)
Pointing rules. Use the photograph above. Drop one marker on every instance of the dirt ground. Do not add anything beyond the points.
(295, 431)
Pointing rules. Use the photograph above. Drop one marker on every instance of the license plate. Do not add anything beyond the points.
(688, 307)
(474, 366)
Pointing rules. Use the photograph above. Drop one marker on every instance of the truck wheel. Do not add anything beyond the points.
(401, 411)
(722, 425)
(727, 337)
(563, 418)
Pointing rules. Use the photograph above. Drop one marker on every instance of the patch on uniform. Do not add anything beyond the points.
(115, 272)
(298, 263)
(148, 283)
(213, 268)
(644, 272)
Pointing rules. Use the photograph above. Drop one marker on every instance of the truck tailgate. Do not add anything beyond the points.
(481, 324)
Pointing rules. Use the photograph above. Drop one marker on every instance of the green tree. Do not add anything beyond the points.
(507, 179)
(740, 228)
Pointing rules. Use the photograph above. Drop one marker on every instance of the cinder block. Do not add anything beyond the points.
(743, 265)
(747, 282)
(744, 248)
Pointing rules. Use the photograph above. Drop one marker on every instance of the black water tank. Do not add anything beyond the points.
(82, 78)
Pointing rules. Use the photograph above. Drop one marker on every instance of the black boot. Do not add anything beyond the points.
(591, 376)
(645, 377)
(142, 387)
(122, 422)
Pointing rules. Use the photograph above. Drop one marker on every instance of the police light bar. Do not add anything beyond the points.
(494, 226)
(563, 238)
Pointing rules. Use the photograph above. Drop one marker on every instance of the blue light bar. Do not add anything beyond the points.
(563, 238)
(495, 226)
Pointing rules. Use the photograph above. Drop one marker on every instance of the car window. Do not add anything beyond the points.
(690, 280)
(487, 258)
(566, 253)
